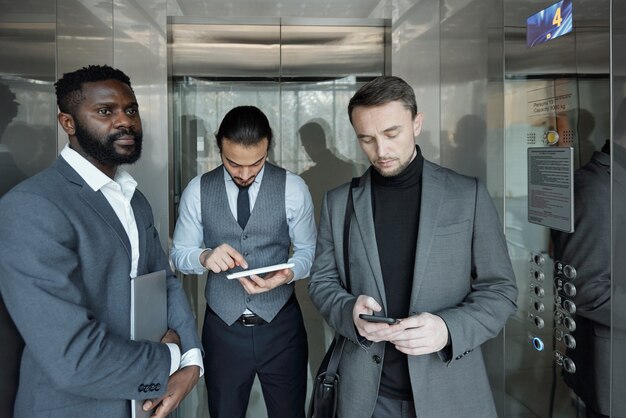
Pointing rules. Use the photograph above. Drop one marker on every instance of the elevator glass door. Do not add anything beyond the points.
(301, 74)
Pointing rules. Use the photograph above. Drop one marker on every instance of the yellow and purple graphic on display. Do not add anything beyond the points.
(549, 23)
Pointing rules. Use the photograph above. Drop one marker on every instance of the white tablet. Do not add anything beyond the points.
(246, 273)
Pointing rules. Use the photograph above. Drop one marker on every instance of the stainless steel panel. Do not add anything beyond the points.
(225, 50)
(139, 47)
(27, 73)
(84, 36)
(220, 49)
(331, 51)
(27, 132)
(415, 56)
(271, 8)
(578, 52)
(576, 67)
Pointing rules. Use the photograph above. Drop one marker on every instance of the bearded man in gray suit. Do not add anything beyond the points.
(73, 237)
(425, 247)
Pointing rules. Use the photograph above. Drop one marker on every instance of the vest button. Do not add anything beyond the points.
(245, 237)
(245, 253)
(376, 359)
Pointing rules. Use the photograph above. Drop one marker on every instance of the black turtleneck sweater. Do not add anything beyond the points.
(396, 203)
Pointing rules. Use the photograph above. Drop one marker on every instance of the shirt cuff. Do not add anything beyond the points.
(175, 357)
(297, 269)
(194, 259)
(193, 357)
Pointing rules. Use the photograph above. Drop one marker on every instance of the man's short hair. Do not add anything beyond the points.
(383, 90)
(69, 87)
(244, 125)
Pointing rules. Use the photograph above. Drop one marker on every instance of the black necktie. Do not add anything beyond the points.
(243, 207)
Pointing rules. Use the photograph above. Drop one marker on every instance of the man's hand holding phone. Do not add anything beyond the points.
(419, 334)
(370, 326)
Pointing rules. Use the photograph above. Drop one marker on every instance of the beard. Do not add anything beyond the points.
(103, 149)
(394, 171)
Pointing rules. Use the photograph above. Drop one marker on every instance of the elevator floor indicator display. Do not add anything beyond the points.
(549, 23)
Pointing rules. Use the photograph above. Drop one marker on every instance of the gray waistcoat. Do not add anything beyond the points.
(264, 241)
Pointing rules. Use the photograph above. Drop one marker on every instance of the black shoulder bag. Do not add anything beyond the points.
(326, 385)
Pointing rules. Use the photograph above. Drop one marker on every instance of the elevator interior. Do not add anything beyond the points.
(474, 77)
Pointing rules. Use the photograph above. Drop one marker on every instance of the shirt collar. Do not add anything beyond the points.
(95, 178)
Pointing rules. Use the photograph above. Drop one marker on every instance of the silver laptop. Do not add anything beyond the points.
(148, 316)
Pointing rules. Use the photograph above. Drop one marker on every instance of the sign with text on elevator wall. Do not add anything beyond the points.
(551, 187)
(555, 97)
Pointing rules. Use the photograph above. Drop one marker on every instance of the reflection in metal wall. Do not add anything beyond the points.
(558, 95)
(301, 75)
(618, 211)
(27, 132)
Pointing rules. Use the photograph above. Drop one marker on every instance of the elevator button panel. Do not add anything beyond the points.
(564, 315)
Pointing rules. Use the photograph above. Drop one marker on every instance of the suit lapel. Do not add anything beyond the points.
(362, 200)
(432, 196)
(140, 220)
(96, 201)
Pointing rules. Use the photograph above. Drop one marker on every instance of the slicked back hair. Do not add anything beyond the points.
(244, 125)
(383, 90)
(69, 87)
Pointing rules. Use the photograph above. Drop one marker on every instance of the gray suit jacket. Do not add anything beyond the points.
(462, 273)
(64, 276)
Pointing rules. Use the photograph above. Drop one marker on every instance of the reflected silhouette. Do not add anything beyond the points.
(12, 344)
(618, 197)
(588, 250)
(468, 156)
(10, 174)
(586, 125)
(329, 170)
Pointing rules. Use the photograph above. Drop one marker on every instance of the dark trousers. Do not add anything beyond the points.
(277, 352)
(393, 408)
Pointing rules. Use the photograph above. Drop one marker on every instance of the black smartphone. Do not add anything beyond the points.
(379, 319)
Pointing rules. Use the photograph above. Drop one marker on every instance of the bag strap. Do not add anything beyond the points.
(333, 362)
(346, 231)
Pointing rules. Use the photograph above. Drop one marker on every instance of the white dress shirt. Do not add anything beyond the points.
(189, 235)
(119, 193)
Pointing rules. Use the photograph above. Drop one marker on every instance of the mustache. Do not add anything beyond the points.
(124, 132)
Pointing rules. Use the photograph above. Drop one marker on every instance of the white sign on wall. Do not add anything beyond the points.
(551, 187)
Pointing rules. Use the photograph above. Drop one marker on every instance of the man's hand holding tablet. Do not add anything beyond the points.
(261, 270)
(277, 275)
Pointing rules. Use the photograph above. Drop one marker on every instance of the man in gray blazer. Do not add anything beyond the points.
(73, 237)
(425, 247)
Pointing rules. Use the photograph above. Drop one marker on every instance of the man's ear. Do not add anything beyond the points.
(67, 123)
(417, 124)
